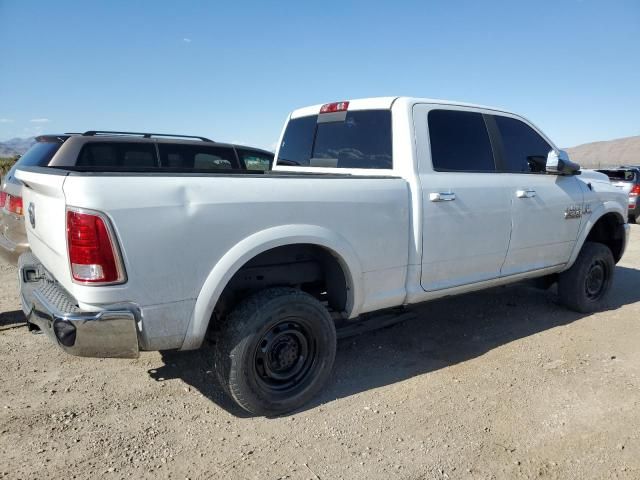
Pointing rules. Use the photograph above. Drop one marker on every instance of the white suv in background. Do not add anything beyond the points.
(102, 150)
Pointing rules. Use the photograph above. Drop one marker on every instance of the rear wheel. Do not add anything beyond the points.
(632, 219)
(275, 351)
(584, 286)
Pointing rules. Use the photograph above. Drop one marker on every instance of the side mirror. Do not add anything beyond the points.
(558, 163)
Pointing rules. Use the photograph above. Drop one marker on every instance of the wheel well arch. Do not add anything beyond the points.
(309, 267)
(609, 230)
(244, 251)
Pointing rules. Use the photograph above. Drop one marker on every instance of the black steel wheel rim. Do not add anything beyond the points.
(596, 279)
(285, 356)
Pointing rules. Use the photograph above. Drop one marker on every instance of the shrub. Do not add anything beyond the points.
(6, 164)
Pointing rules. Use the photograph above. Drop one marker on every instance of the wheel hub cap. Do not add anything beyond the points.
(284, 356)
(595, 280)
(285, 353)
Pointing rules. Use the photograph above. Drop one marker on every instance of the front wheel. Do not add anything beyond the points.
(584, 286)
(275, 351)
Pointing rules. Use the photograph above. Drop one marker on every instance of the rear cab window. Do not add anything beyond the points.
(355, 139)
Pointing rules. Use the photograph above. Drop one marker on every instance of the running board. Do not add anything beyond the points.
(360, 325)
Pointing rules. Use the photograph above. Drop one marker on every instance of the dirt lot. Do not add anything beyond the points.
(498, 384)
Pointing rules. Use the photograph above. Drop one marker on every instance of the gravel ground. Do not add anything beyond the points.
(496, 384)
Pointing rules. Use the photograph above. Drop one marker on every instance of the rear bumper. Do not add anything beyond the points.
(110, 332)
(13, 237)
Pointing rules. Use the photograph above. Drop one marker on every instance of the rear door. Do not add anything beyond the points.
(465, 204)
(546, 209)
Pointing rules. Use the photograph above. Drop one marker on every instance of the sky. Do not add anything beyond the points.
(232, 71)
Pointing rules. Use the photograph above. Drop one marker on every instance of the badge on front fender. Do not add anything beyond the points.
(574, 211)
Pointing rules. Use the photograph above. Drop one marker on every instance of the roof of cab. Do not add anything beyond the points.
(380, 103)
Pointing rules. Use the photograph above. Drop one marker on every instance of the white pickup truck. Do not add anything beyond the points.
(372, 204)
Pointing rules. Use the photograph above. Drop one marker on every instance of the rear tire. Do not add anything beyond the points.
(632, 219)
(584, 286)
(275, 351)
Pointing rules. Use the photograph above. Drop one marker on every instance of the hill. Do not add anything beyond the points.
(15, 146)
(621, 151)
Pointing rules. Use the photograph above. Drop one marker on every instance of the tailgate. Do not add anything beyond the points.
(45, 218)
(623, 186)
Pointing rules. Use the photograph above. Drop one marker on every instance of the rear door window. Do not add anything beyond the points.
(196, 157)
(118, 155)
(525, 151)
(362, 139)
(460, 142)
(255, 160)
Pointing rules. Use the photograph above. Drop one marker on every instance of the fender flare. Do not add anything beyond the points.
(259, 242)
(596, 215)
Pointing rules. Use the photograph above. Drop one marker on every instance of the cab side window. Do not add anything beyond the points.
(525, 151)
(197, 157)
(460, 142)
(255, 160)
(118, 155)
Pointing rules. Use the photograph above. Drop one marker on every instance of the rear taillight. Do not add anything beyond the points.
(3, 198)
(635, 191)
(14, 205)
(93, 254)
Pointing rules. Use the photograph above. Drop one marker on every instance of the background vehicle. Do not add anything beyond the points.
(116, 150)
(373, 204)
(627, 179)
(13, 237)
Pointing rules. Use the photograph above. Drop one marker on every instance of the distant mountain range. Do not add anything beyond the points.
(621, 151)
(611, 153)
(15, 146)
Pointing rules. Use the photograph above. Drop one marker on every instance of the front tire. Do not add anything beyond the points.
(584, 286)
(275, 351)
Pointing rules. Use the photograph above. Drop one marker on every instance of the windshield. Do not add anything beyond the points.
(361, 139)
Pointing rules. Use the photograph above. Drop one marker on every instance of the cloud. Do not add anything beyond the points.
(39, 120)
(6, 120)
(186, 40)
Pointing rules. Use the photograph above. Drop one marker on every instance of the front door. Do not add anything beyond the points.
(546, 209)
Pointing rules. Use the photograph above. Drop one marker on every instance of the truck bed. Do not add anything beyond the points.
(175, 228)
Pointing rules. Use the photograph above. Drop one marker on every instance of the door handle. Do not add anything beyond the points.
(528, 193)
(442, 196)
